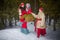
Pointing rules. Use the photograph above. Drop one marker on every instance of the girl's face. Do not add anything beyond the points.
(40, 10)
(22, 6)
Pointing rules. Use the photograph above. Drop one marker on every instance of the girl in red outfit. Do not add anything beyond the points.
(21, 11)
(40, 23)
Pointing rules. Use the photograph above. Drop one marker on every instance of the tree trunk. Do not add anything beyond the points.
(10, 23)
(2, 25)
(49, 21)
(36, 6)
(54, 26)
(5, 23)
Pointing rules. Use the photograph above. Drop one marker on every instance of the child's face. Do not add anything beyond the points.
(22, 6)
(40, 10)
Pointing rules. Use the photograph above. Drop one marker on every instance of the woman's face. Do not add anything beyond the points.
(27, 5)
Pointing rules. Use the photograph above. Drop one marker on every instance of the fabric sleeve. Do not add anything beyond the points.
(19, 10)
(34, 15)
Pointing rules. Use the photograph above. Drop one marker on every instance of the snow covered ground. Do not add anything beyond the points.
(15, 34)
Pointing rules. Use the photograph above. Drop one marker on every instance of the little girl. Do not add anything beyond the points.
(40, 23)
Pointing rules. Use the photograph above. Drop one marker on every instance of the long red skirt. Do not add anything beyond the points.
(41, 32)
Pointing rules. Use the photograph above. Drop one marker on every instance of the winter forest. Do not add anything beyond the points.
(9, 17)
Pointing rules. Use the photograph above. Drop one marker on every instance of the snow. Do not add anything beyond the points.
(16, 34)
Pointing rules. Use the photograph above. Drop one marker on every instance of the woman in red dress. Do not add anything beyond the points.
(27, 11)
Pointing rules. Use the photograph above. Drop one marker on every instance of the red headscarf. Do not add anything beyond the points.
(21, 4)
(41, 8)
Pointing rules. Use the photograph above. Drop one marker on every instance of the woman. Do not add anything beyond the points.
(40, 23)
(28, 11)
